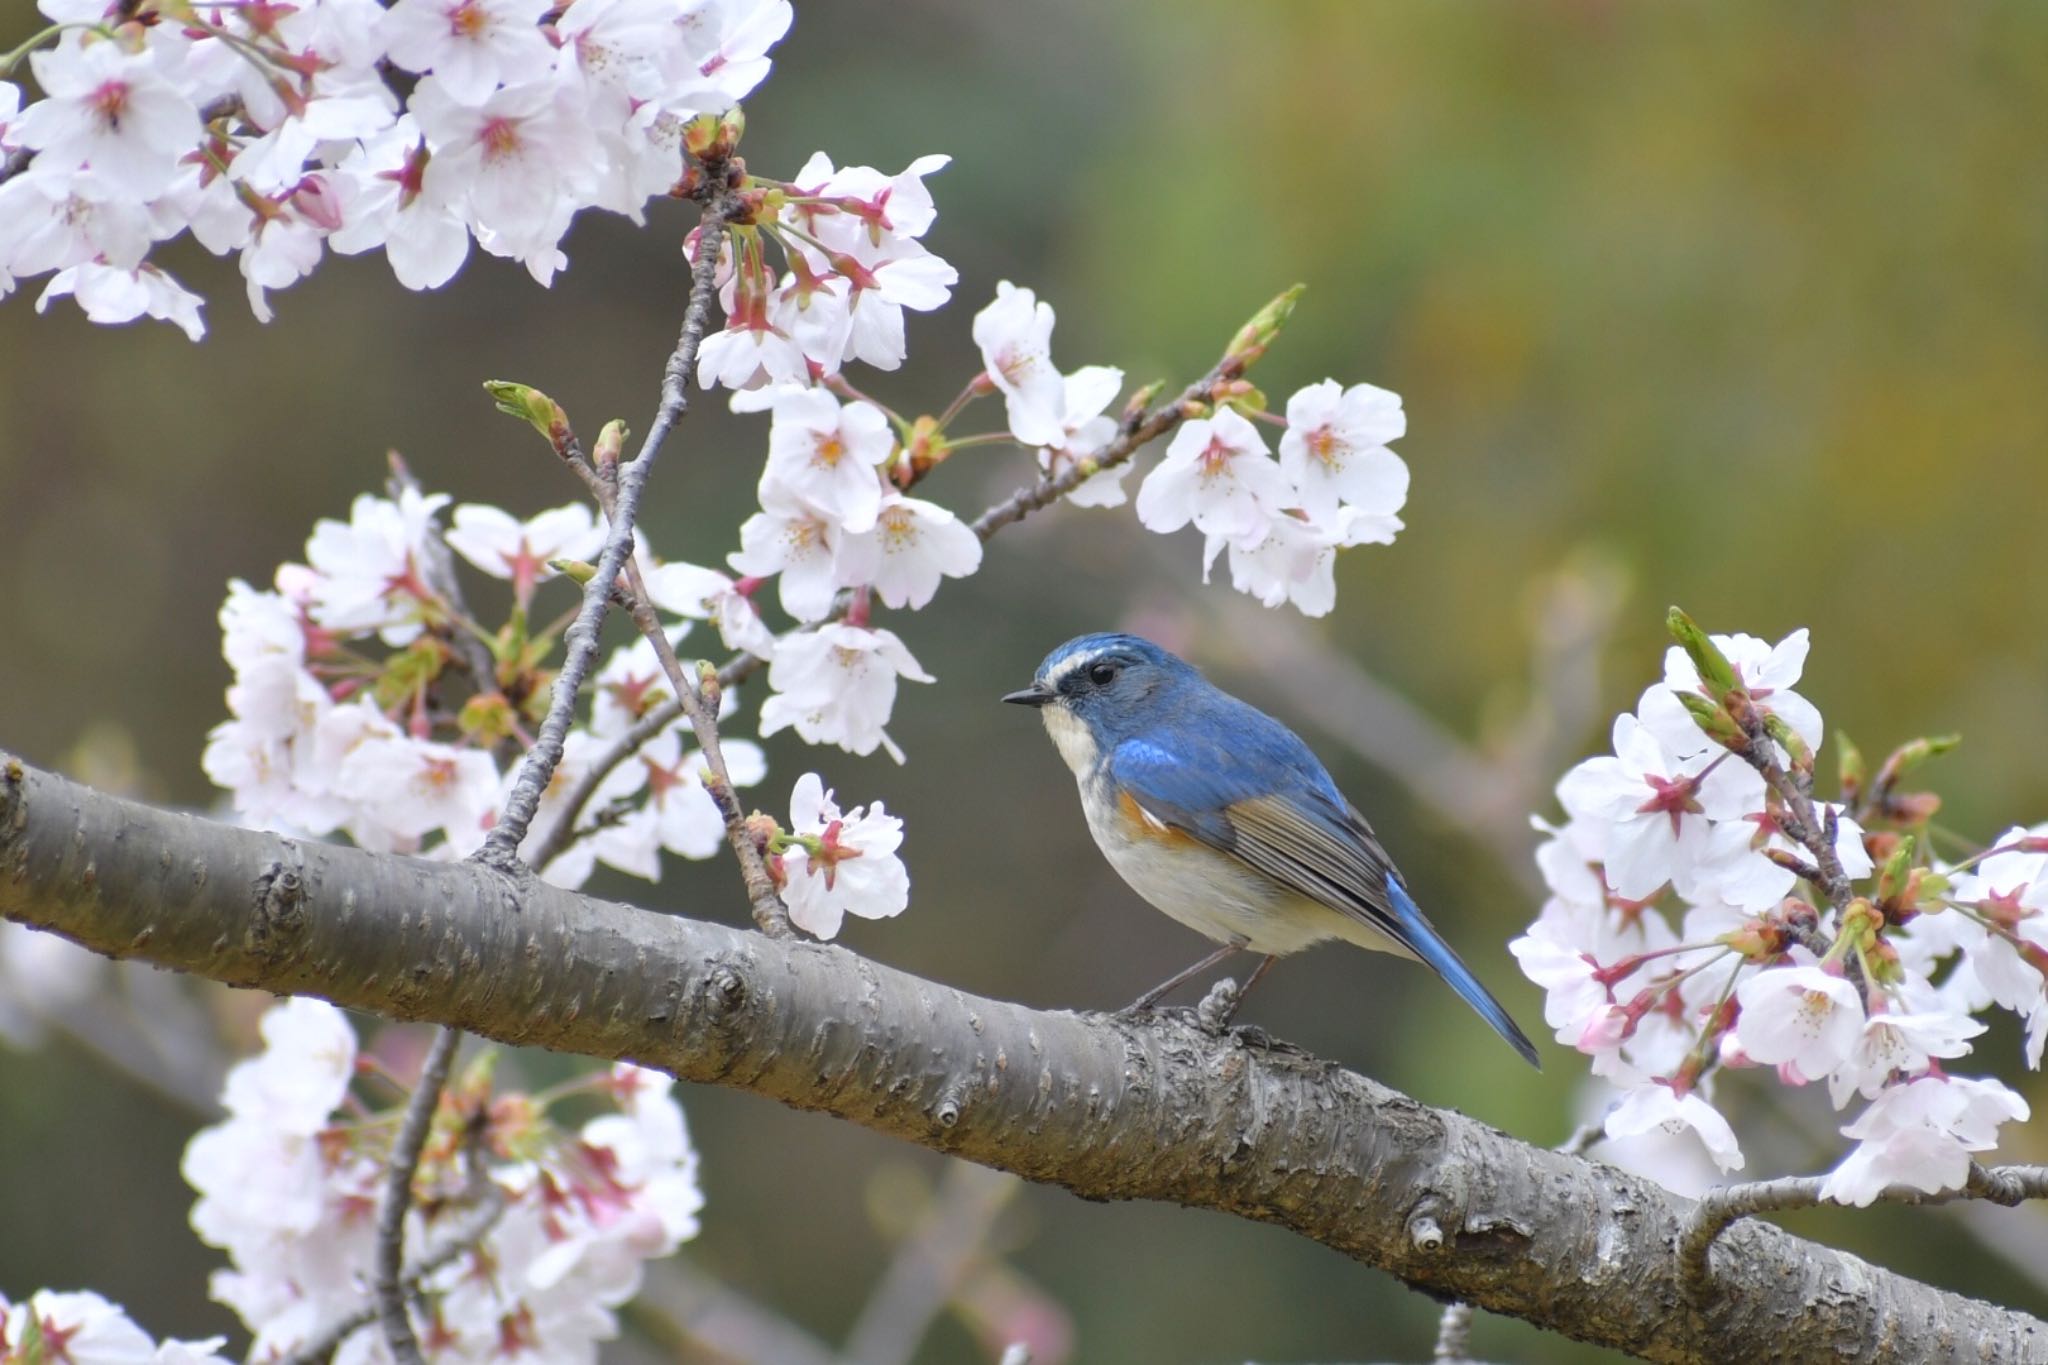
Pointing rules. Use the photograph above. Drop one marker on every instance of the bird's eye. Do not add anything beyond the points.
(1102, 674)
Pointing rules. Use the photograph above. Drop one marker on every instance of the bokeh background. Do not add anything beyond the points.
(1745, 309)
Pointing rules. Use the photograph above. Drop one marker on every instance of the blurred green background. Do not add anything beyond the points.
(1744, 308)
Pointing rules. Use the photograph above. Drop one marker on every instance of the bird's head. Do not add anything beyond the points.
(1096, 690)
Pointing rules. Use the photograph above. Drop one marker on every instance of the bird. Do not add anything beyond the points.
(1221, 817)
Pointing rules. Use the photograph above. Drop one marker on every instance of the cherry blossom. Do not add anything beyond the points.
(368, 566)
(913, 545)
(630, 685)
(419, 786)
(51, 221)
(522, 115)
(863, 226)
(109, 107)
(869, 207)
(1085, 431)
(1894, 1044)
(827, 454)
(1658, 1106)
(504, 547)
(1217, 474)
(290, 1193)
(308, 1059)
(722, 51)
(41, 976)
(112, 296)
(1922, 1134)
(702, 594)
(751, 347)
(83, 1328)
(513, 167)
(572, 866)
(678, 813)
(1803, 1017)
(471, 46)
(1734, 866)
(1657, 805)
(1335, 450)
(1766, 670)
(798, 545)
(1294, 561)
(1015, 337)
(843, 862)
(381, 186)
(837, 685)
(2008, 891)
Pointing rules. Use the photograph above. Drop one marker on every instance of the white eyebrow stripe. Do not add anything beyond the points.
(1065, 667)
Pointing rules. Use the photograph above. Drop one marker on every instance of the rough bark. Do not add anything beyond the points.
(1108, 1108)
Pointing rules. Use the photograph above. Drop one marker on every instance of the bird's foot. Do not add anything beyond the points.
(1218, 1007)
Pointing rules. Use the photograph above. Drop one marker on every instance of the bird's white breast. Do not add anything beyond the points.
(1210, 892)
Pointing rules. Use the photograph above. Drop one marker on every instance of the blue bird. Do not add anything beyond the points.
(1220, 816)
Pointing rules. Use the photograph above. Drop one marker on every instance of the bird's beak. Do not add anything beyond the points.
(1038, 694)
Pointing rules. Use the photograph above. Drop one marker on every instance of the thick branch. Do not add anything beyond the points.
(1109, 1108)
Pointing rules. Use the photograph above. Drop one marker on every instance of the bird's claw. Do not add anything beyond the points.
(1218, 1007)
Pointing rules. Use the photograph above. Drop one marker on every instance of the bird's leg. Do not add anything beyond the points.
(1257, 972)
(1151, 997)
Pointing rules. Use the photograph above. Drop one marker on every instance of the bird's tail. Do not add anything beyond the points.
(1428, 945)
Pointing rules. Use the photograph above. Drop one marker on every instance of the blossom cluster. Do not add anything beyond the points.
(1335, 484)
(290, 1181)
(349, 712)
(275, 133)
(82, 1328)
(852, 263)
(1707, 914)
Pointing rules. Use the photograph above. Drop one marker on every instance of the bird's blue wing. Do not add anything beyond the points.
(1267, 802)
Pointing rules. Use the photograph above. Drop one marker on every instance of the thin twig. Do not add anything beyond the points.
(501, 847)
(563, 834)
(1134, 436)
(464, 1240)
(1716, 1209)
(771, 916)
(1811, 834)
(405, 1160)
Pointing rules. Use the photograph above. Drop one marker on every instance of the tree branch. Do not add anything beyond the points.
(488, 1203)
(771, 916)
(1110, 1108)
(406, 1146)
(1718, 1208)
